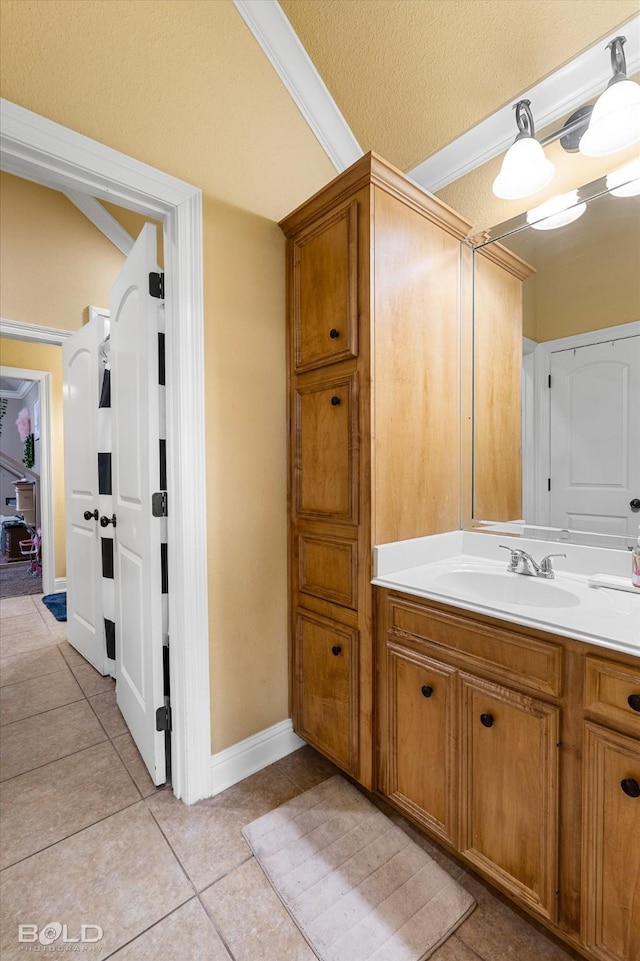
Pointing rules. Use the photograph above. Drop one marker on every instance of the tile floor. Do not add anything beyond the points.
(88, 839)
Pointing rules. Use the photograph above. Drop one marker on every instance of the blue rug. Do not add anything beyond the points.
(57, 604)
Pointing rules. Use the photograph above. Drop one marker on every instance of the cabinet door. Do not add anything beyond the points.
(325, 290)
(326, 450)
(611, 845)
(326, 658)
(509, 810)
(421, 739)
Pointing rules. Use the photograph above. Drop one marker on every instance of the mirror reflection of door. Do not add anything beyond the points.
(595, 437)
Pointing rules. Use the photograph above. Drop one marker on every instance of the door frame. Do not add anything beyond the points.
(43, 379)
(37, 149)
(542, 426)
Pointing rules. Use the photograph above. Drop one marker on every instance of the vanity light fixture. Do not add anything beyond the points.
(615, 120)
(557, 212)
(625, 181)
(525, 169)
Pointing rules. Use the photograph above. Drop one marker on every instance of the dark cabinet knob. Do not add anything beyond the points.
(89, 514)
(486, 720)
(336, 649)
(426, 690)
(630, 787)
(333, 333)
(105, 521)
(634, 702)
(335, 401)
(635, 504)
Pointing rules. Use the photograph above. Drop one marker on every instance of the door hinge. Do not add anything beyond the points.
(549, 381)
(156, 285)
(159, 506)
(548, 483)
(163, 718)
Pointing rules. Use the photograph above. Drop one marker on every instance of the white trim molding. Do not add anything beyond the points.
(59, 584)
(33, 333)
(43, 379)
(563, 91)
(102, 219)
(38, 149)
(280, 43)
(253, 754)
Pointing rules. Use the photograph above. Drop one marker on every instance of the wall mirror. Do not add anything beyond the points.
(556, 397)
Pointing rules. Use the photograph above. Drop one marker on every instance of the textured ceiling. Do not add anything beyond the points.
(180, 84)
(410, 76)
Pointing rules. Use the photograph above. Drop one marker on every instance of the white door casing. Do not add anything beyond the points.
(80, 394)
(595, 437)
(33, 147)
(137, 411)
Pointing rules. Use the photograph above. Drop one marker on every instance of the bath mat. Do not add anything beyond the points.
(57, 604)
(357, 887)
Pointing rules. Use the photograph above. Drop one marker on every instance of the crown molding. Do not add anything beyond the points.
(33, 333)
(552, 99)
(280, 43)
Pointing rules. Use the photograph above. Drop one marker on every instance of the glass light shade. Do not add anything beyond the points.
(557, 212)
(625, 181)
(615, 121)
(525, 170)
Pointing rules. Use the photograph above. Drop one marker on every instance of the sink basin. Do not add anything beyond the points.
(504, 587)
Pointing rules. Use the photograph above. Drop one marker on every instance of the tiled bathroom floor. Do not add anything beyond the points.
(87, 838)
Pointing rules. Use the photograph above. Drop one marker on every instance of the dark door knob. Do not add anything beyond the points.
(426, 690)
(89, 514)
(335, 401)
(486, 720)
(630, 786)
(336, 649)
(105, 521)
(635, 504)
(333, 333)
(634, 702)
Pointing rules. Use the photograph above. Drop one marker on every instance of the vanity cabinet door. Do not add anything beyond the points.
(509, 790)
(326, 689)
(421, 723)
(325, 290)
(325, 443)
(611, 845)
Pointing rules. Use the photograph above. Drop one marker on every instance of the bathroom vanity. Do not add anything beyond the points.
(499, 712)
(516, 747)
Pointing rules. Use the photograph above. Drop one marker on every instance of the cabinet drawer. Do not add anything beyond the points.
(508, 655)
(325, 290)
(327, 688)
(612, 693)
(325, 447)
(328, 568)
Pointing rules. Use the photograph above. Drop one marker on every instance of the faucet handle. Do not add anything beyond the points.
(546, 567)
(516, 554)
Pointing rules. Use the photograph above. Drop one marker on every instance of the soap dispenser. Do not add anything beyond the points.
(635, 564)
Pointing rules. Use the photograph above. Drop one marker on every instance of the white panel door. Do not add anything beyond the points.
(81, 393)
(595, 437)
(140, 614)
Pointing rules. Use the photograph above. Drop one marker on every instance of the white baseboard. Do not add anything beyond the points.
(246, 757)
(60, 584)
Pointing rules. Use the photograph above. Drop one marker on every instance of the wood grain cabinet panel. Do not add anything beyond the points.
(327, 688)
(325, 290)
(421, 739)
(611, 848)
(612, 694)
(326, 450)
(328, 568)
(509, 790)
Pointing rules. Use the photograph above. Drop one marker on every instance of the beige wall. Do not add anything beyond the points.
(17, 353)
(54, 263)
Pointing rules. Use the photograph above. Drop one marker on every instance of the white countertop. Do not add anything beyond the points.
(465, 569)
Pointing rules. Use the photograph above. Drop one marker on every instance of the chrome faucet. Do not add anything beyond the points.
(523, 563)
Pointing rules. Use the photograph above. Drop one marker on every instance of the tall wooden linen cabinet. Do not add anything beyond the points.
(374, 318)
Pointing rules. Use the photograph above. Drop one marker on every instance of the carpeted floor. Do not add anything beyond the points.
(16, 580)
